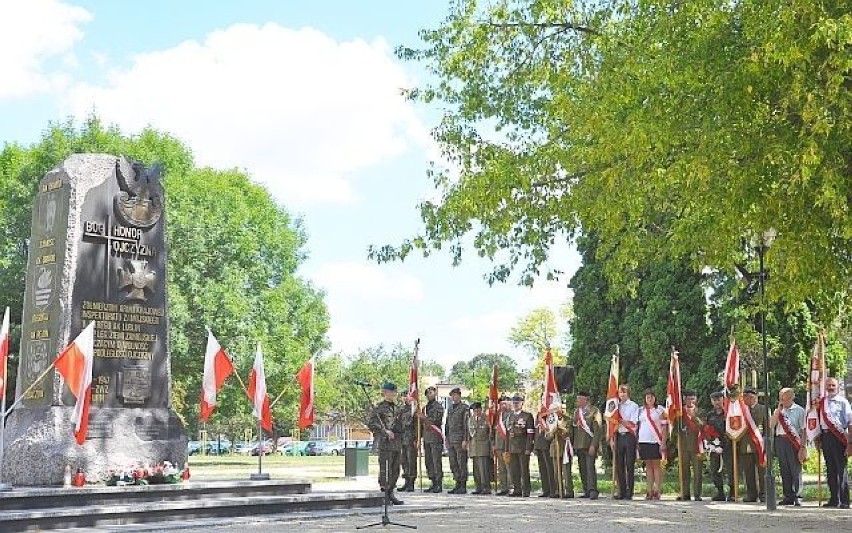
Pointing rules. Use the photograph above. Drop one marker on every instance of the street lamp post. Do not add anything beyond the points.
(765, 242)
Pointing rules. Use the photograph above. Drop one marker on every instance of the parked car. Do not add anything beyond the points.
(295, 448)
(212, 448)
(333, 448)
(264, 448)
(244, 448)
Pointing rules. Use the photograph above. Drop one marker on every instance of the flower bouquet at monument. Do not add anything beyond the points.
(139, 474)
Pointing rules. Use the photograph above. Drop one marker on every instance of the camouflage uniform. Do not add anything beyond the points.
(433, 442)
(409, 447)
(457, 438)
(387, 415)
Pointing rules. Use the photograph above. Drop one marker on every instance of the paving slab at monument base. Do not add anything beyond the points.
(89, 507)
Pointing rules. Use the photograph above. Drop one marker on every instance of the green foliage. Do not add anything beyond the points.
(475, 374)
(670, 130)
(233, 256)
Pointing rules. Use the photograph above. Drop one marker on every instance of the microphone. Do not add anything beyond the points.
(362, 383)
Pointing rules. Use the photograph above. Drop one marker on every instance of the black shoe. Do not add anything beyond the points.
(749, 500)
(515, 494)
(437, 489)
(544, 495)
(394, 500)
(584, 495)
(719, 497)
(593, 495)
(830, 504)
(797, 503)
(503, 493)
(698, 499)
(682, 499)
(461, 490)
(731, 499)
(843, 506)
(477, 492)
(486, 493)
(762, 499)
(526, 495)
(617, 497)
(785, 501)
(569, 495)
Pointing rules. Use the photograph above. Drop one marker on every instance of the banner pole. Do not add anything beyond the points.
(819, 478)
(4, 486)
(736, 473)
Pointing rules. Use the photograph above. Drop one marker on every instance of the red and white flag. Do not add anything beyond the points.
(217, 368)
(732, 367)
(305, 377)
(4, 352)
(74, 364)
(413, 393)
(816, 388)
(257, 392)
(550, 397)
(674, 401)
(735, 422)
(493, 398)
(611, 412)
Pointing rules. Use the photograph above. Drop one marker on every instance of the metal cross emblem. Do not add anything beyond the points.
(137, 280)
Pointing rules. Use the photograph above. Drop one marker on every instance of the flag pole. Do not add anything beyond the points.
(418, 423)
(31, 387)
(819, 478)
(4, 486)
(277, 398)
(736, 476)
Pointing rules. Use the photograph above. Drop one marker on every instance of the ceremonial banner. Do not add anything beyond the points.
(257, 392)
(816, 388)
(217, 368)
(735, 424)
(550, 397)
(611, 411)
(413, 371)
(74, 364)
(4, 352)
(732, 367)
(305, 377)
(493, 398)
(674, 402)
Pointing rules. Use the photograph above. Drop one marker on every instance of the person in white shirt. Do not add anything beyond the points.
(788, 422)
(653, 428)
(835, 420)
(625, 443)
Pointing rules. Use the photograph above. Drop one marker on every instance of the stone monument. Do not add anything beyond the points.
(97, 253)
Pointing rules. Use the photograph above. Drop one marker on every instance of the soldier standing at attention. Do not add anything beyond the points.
(385, 423)
(501, 445)
(480, 449)
(432, 418)
(719, 446)
(586, 436)
(409, 446)
(457, 440)
(541, 446)
(521, 436)
(753, 471)
(559, 434)
(689, 430)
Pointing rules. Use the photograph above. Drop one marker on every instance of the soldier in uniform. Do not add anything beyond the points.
(432, 417)
(559, 433)
(409, 446)
(501, 445)
(753, 471)
(480, 448)
(521, 425)
(457, 440)
(719, 446)
(586, 437)
(689, 431)
(541, 446)
(385, 423)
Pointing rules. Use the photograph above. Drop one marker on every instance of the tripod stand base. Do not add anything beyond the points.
(386, 522)
(259, 477)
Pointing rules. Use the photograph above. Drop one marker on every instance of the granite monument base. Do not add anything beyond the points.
(40, 443)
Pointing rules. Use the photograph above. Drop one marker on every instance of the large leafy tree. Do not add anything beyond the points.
(475, 374)
(669, 129)
(233, 259)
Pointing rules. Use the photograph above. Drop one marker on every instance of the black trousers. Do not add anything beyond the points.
(791, 468)
(432, 454)
(519, 468)
(834, 452)
(588, 472)
(545, 471)
(722, 469)
(625, 463)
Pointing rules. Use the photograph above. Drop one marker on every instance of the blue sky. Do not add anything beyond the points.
(305, 97)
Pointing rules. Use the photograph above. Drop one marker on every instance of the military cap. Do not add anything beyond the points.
(583, 393)
(716, 395)
(432, 388)
(475, 405)
(504, 398)
(456, 391)
(517, 398)
(389, 386)
(750, 391)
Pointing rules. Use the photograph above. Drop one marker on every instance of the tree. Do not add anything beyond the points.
(233, 256)
(475, 374)
(669, 129)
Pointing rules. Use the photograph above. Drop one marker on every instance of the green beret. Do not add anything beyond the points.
(389, 386)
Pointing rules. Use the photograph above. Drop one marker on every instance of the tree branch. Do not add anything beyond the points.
(563, 25)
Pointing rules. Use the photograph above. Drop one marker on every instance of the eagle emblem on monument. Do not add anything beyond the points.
(140, 201)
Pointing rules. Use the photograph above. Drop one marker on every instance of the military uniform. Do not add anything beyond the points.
(689, 433)
(433, 443)
(715, 431)
(409, 447)
(561, 482)
(541, 446)
(479, 449)
(584, 444)
(521, 427)
(501, 447)
(387, 415)
(747, 456)
(457, 438)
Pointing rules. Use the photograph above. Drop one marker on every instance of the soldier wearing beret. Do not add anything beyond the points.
(457, 440)
(521, 425)
(409, 445)
(719, 446)
(480, 448)
(385, 422)
(432, 417)
(689, 431)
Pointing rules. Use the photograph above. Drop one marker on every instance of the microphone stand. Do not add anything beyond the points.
(385, 521)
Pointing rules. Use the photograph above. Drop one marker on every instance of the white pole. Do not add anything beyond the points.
(4, 486)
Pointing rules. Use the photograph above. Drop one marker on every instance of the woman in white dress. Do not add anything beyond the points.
(653, 430)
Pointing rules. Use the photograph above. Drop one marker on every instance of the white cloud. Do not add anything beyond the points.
(491, 323)
(367, 283)
(349, 339)
(299, 110)
(33, 33)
